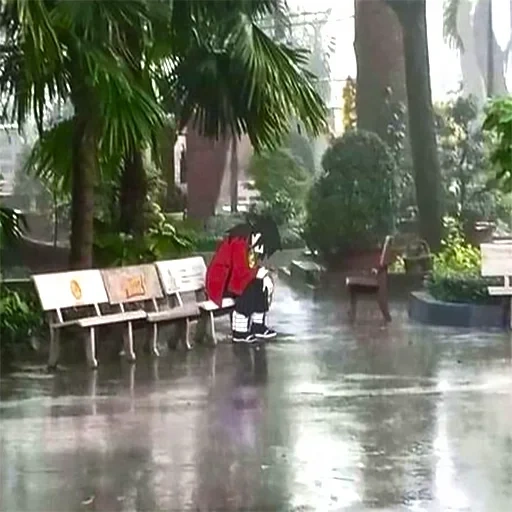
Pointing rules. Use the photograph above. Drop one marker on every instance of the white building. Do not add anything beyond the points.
(11, 144)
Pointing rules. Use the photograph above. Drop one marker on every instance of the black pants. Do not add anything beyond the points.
(254, 299)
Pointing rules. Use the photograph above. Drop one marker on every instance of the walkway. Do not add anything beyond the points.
(328, 418)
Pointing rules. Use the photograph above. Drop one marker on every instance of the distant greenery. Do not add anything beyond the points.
(498, 122)
(282, 182)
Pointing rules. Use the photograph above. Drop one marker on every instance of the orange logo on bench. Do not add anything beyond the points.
(134, 287)
(76, 291)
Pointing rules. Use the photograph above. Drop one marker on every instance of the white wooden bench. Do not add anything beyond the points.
(78, 299)
(183, 281)
(134, 288)
(497, 262)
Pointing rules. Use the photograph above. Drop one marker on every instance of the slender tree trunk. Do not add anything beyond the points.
(427, 173)
(490, 52)
(84, 173)
(234, 174)
(134, 188)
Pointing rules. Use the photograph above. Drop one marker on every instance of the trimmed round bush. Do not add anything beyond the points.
(351, 206)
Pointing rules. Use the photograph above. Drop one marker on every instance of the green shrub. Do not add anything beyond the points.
(161, 241)
(20, 318)
(351, 205)
(456, 272)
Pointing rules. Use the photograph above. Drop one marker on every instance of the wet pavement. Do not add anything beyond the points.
(329, 417)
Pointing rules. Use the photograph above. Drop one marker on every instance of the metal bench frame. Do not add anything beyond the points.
(134, 286)
(61, 293)
(181, 279)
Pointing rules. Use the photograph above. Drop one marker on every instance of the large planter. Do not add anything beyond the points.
(423, 308)
(480, 233)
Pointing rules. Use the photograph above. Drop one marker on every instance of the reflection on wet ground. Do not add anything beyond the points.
(328, 417)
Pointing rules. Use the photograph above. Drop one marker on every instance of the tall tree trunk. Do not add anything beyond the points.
(134, 185)
(84, 173)
(486, 43)
(427, 173)
(134, 188)
(380, 63)
(234, 174)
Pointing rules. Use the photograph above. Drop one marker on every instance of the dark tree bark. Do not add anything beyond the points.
(134, 185)
(134, 188)
(233, 175)
(84, 174)
(427, 174)
(380, 63)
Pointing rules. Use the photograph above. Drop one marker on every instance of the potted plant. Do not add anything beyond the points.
(417, 257)
(350, 208)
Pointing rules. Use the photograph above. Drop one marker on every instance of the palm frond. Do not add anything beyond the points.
(51, 156)
(450, 31)
(31, 67)
(249, 85)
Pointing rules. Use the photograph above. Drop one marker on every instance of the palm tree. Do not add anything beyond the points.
(207, 59)
(75, 51)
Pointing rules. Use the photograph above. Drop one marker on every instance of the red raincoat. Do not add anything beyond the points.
(229, 270)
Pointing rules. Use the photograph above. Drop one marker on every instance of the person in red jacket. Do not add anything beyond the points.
(236, 271)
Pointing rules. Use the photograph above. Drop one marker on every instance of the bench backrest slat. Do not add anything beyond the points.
(135, 283)
(496, 259)
(61, 290)
(183, 275)
(386, 255)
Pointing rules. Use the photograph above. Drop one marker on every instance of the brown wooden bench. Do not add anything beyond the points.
(374, 282)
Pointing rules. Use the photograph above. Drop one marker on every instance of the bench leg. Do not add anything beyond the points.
(353, 305)
(93, 378)
(206, 328)
(90, 349)
(201, 329)
(153, 347)
(382, 299)
(53, 356)
(183, 333)
(128, 343)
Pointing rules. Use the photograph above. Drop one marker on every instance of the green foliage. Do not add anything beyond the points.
(20, 318)
(282, 183)
(498, 122)
(161, 241)
(351, 205)
(13, 225)
(465, 164)
(456, 274)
